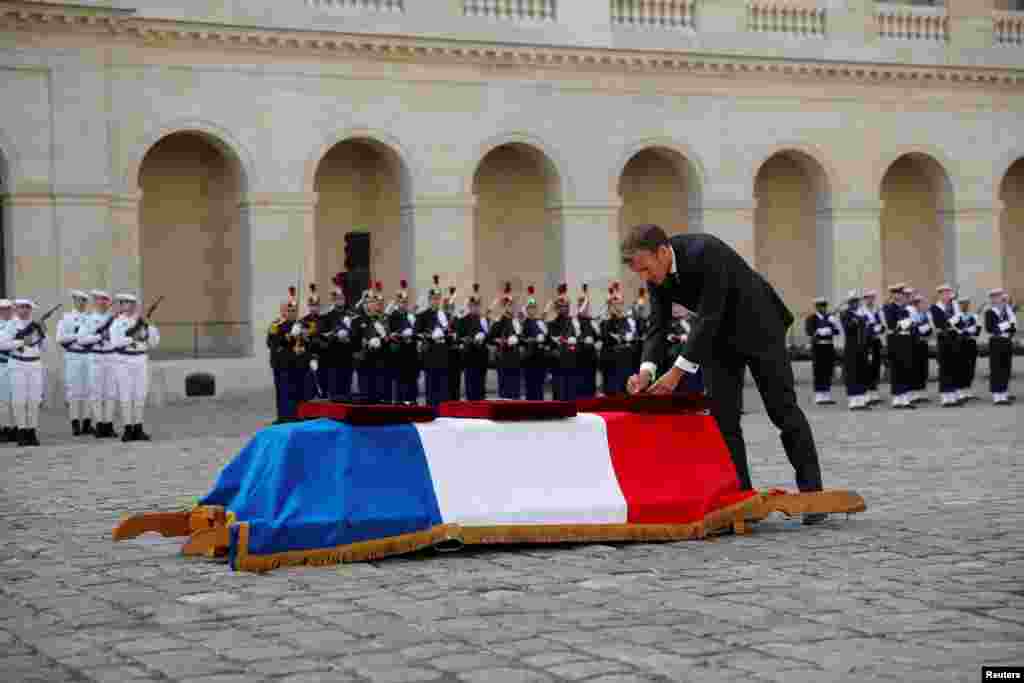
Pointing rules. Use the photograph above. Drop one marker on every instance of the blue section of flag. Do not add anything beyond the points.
(321, 484)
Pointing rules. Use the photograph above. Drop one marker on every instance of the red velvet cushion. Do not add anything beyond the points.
(366, 414)
(644, 403)
(508, 410)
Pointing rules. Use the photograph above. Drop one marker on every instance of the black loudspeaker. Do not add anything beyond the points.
(357, 251)
(356, 282)
(200, 384)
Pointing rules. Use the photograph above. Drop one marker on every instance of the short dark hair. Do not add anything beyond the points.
(643, 237)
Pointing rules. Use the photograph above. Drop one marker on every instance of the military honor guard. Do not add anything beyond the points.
(588, 338)
(131, 337)
(76, 361)
(535, 349)
(95, 336)
(855, 352)
(876, 331)
(945, 314)
(899, 346)
(639, 313)
(336, 356)
(315, 345)
(26, 347)
(923, 330)
(616, 345)
(8, 432)
(969, 329)
(472, 330)
(1001, 325)
(373, 360)
(564, 374)
(822, 328)
(505, 335)
(449, 306)
(433, 330)
(403, 347)
(278, 360)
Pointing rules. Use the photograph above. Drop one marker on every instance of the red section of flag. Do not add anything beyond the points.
(672, 469)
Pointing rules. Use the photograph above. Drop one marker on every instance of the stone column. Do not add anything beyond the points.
(123, 266)
(856, 248)
(280, 236)
(83, 223)
(732, 221)
(722, 16)
(589, 248)
(438, 237)
(970, 23)
(979, 257)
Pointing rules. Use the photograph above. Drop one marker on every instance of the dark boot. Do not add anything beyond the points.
(76, 427)
(141, 435)
(87, 427)
(31, 439)
(22, 437)
(129, 433)
(111, 432)
(101, 430)
(10, 435)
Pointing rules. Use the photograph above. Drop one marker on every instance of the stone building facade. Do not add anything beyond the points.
(217, 152)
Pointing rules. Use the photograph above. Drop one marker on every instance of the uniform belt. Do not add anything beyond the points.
(822, 341)
(132, 353)
(76, 351)
(25, 359)
(101, 351)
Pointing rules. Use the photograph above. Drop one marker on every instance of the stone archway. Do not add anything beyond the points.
(1011, 229)
(658, 185)
(361, 185)
(793, 227)
(917, 224)
(517, 220)
(193, 245)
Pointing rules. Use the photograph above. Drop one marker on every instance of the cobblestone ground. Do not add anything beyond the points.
(927, 585)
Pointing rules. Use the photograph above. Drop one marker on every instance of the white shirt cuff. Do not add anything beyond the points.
(686, 366)
(650, 368)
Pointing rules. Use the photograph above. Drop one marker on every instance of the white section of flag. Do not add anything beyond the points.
(533, 472)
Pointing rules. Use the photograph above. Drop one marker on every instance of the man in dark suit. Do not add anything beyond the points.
(741, 323)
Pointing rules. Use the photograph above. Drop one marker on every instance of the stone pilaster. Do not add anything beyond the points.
(970, 23)
(732, 221)
(83, 227)
(589, 246)
(123, 265)
(29, 248)
(856, 248)
(437, 237)
(979, 258)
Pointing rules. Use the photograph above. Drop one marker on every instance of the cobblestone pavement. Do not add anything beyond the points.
(926, 586)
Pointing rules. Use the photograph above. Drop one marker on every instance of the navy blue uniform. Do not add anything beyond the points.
(405, 357)
(506, 335)
(922, 332)
(616, 355)
(900, 348)
(472, 332)
(855, 352)
(969, 329)
(564, 376)
(586, 359)
(374, 368)
(535, 358)
(432, 328)
(822, 331)
(947, 346)
(1001, 329)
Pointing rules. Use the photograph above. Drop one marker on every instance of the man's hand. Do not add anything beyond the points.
(668, 382)
(639, 382)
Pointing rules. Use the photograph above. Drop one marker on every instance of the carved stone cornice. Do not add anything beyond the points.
(28, 16)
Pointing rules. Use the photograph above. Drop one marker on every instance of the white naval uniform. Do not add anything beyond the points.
(27, 375)
(131, 365)
(102, 385)
(76, 363)
(7, 331)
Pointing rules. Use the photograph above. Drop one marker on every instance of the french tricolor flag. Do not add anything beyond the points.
(323, 491)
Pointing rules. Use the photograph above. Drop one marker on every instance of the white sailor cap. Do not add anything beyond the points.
(6, 303)
(944, 287)
(78, 294)
(871, 293)
(898, 288)
(853, 294)
(25, 302)
(998, 291)
(909, 291)
(818, 301)
(99, 294)
(125, 296)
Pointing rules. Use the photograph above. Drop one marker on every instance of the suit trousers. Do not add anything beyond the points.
(533, 378)
(901, 363)
(1000, 363)
(823, 360)
(948, 352)
(968, 363)
(476, 380)
(510, 383)
(773, 375)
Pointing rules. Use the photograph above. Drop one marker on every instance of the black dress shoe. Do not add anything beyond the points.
(31, 439)
(129, 433)
(76, 427)
(87, 427)
(101, 430)
(10, 435)
(141, 435)
(812, 518)
(22, 437)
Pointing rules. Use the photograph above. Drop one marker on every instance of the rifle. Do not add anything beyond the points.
(37, 324)
(144, 320)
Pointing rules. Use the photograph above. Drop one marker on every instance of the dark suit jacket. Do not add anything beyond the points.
(738, 312)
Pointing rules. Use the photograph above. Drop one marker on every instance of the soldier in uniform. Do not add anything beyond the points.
(639, 313)
(403, 347)
(454, 352)
(876, 330)
(822, 329)
(616, 346)
(287, 342)
(899, 346)
(922, 332)
(277, 357)
(76, 361)
(472, 331)
(8, 432)
(371, 334)
(564, 358)
(27, 372)
(1001, 324)
(969, 330)
(432, 328)
(855, 352)
(946, 316)
(588, 338)
(131, 337)
(102, 379)
(535, 355)
(505, 335)
(315, 344)
(336, 356)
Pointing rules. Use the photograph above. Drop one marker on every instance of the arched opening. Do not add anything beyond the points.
(361, 186)
(1011, 229)
(793, 228)
(194, 247)
(658, 185)
(917, 224)
(517, 220)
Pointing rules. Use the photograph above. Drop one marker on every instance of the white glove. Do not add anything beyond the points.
(296, 330)
(824, 332)
(598, 345)
(588, 340)
(540, 338)
(834, 320)
(19, 343)
(629, 336)
(314, 364)
(438, 334)
(878, 328)
(1004, 326)
(572, 340)
(513, 340)
(407, 332)
(375, 343)
(343, 334)
(905, 324)
(955, 320)
(479, 337)
(972, 329)
(923, 328)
